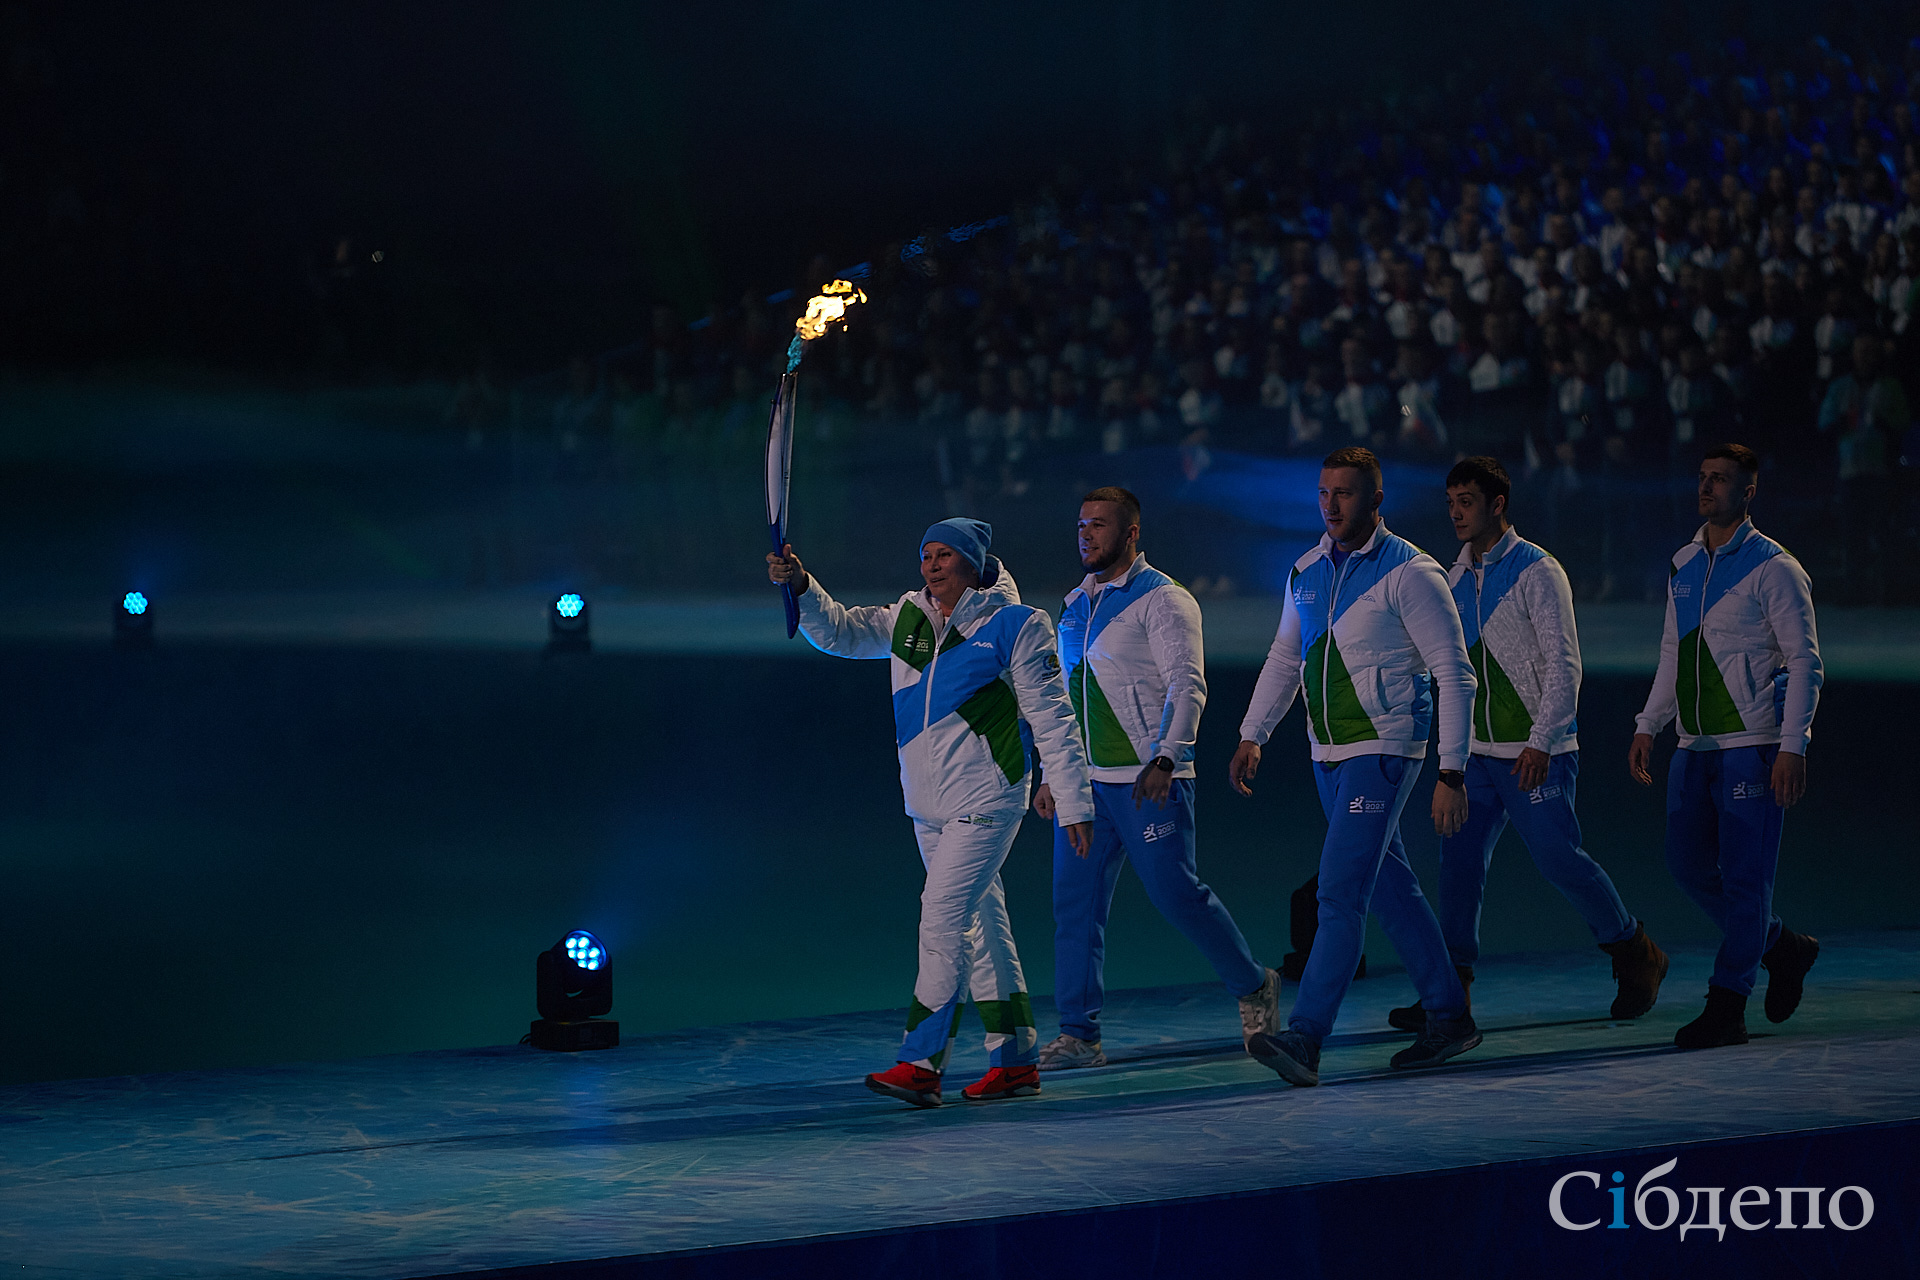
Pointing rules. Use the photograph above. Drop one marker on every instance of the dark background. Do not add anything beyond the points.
(240, 856)
(174, 179)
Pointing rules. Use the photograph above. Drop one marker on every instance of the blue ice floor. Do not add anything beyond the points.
(496, 1157)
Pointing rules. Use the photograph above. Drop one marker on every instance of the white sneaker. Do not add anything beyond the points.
(1065, 1052)
(1260, 1011)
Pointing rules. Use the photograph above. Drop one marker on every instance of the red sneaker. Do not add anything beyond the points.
(908, 1083)
(1004, 1082)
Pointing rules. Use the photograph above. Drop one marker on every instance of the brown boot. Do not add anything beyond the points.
(1639, 967)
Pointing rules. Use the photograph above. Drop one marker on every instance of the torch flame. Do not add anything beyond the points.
(828, 308)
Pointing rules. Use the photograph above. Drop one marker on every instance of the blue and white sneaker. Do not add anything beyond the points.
(1292, 1055)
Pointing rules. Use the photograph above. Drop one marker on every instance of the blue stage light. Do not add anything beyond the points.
(573, 986)
(569, 620)
(133, 622)
(584, 949)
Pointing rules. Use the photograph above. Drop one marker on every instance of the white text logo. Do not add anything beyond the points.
(1657, 1207)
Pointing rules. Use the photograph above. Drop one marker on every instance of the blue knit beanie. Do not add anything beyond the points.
(970, 538)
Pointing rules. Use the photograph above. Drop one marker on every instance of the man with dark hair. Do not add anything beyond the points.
(974, 671)
(1369, 630)
(1740, 670)
(1130, 643)
(1516, 608)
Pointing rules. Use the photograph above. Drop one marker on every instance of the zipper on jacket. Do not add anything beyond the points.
(1086, 667)
(1480, 633)
(939, 637)
(1326, 654)
(1700, 638)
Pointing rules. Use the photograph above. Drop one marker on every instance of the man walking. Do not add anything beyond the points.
(1370, 630)
(971, 664)
(1516, 609)
(1740, 670)
(1130, 643)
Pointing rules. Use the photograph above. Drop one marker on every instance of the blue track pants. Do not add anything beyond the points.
(1363, 865)
(1545, 819)
(1723, 846)
(1159, 840)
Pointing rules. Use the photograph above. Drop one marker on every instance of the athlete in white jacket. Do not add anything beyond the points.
(1369, 631)
(975, 673)
(1130, 643)
(1516, 609)
(1740, 669)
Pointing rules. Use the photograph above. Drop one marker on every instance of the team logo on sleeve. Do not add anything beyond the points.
(1050, 664)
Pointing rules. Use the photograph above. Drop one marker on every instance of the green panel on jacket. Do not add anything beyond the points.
(1107, 742)
(994, 713)
(913, 637)
(1334, 712)
(1702, 686)
(1498, 713)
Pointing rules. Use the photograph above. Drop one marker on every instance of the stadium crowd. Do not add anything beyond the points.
(1593, 275)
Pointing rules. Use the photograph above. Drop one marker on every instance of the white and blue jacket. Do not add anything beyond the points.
(1135, 671)
(1739, 658)
(1371, 641)
(1516, 612)
(969, 692)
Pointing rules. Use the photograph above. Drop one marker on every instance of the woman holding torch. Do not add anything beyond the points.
(976, 693)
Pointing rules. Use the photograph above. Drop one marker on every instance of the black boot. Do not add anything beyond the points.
(1787, 962)
(1414, 1018)
(1639, 967)
(1724, 1022)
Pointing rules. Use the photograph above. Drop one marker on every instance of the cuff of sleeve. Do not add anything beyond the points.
(1067, 815)
(1457, 763)
(1541, 742)
(1646, 725)
(1796, 746)
(1250, 734)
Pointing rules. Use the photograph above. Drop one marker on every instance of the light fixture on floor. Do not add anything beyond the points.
(133, 622)
(568, 620)
(573, 987)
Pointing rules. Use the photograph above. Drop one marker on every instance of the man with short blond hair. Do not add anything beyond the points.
(1130, 644)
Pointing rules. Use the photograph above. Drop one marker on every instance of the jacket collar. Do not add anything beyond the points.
(1732, 544)
(1088, 586)
(1498, 549)
(1371, 545)
(973, 601)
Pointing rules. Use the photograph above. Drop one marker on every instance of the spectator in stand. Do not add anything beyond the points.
(1422, 432)
(1364, 406)
(1865, 411)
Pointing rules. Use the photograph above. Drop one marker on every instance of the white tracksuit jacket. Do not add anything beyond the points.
(1371, 641)
(1516, 610)
(1135, 671)
(962, 689)
(1739, 658)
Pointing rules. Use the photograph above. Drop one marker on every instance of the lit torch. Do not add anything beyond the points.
(824, 310)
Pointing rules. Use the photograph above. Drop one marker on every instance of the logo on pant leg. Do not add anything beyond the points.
(1157, 831)
(978, 819)
(1540, 795)
(1360, 804)
(1749, 790)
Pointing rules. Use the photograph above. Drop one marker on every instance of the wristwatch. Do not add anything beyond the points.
(1162, 763)
(1453, 778)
